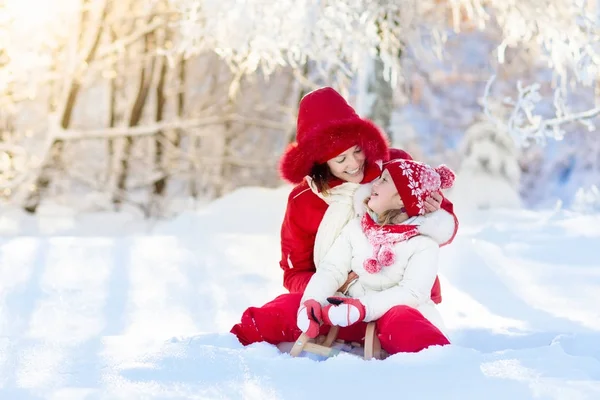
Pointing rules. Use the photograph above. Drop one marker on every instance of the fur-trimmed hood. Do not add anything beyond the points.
(327, 126)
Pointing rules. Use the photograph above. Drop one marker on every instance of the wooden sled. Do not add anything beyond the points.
(323, 345)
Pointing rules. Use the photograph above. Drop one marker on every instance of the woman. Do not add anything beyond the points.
(396, 265)
(336, 151)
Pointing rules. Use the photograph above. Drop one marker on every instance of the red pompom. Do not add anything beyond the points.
(371, 266)
(447, 176)
(386, 256)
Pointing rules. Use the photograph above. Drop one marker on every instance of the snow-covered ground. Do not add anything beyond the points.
(92, 307)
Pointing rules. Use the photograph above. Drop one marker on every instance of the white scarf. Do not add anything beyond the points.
(340, 211)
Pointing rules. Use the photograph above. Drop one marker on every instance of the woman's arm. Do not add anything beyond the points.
(414, 288)
(297, 245)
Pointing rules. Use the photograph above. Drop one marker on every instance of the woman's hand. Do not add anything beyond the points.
(352, 276)
(433, 202)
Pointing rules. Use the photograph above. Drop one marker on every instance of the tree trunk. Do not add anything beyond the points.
(55, 158)
(195, 139)
(291, 136)
(383, 95)
(180, 99)
(225, 164)
(137, 111)
(383, 106)
(161, 184)
(112, 119)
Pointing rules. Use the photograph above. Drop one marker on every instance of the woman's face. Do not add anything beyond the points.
(349, 165)
(384, 195)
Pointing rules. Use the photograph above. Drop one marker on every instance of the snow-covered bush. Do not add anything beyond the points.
(489, 175)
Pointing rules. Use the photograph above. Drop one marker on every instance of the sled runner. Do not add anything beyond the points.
(326, 345)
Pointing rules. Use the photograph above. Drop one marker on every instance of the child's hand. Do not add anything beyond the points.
(343, 311)
(309, 318)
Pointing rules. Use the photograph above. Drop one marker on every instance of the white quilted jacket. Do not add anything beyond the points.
(406, 282)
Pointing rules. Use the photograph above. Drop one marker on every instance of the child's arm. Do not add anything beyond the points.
(332, 271)
(415, 287)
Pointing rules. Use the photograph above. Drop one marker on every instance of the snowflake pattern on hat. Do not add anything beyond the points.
(422, 180)
(415, 181)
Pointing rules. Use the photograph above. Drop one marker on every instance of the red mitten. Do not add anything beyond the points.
(309, 318)
(343, 311)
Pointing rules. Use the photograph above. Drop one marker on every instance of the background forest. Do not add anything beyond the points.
(158, 106)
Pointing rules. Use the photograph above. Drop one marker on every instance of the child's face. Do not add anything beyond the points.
(384, 195)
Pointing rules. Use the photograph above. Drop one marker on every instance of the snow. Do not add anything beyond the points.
(107, 307)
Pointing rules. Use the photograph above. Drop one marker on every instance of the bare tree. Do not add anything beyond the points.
(89, 40)
(135, 115)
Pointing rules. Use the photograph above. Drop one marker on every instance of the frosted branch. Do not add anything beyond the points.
(120, 45)
(524, 124)
(152, 129)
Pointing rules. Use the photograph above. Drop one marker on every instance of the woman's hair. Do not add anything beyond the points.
(388, 217)
(321, 175)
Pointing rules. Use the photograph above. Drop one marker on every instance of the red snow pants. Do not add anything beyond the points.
(401, 329)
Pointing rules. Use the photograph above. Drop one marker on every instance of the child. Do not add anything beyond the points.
(396, 266)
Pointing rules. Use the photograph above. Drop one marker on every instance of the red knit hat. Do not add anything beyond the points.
(327, 126)
(415, 181)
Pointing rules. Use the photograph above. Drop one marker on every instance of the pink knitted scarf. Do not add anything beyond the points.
(383, 238)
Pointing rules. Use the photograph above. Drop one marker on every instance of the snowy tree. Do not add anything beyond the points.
(107, 108)
(489, 175)
(565, 36)
(527, 125)
(136, 101)
(353, 44)
(345, 37)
